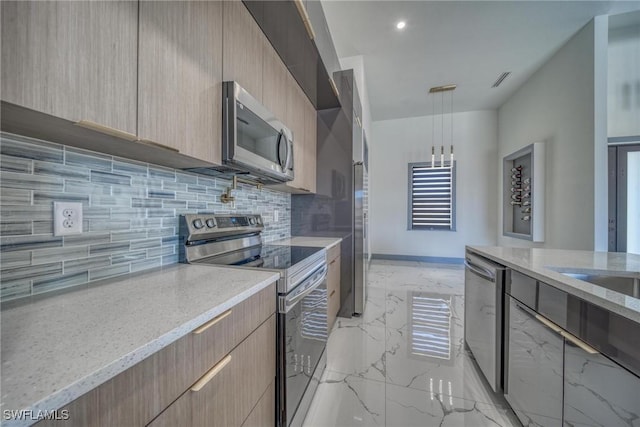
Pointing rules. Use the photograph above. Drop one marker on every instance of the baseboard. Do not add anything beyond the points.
(432, 259)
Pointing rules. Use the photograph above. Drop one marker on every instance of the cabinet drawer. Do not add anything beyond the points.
(333, 252)
(598, 391)
(523, 288)
(230, 389)
(534, 361)
(219, 336)
(264, 414)
(552, 303)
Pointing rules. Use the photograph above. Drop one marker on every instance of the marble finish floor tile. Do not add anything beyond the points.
(409, 365)
(404, 362)
(375, 311)
(408, 308)
(366, 355)
(409, 407)
(449, 278)
(345, 400)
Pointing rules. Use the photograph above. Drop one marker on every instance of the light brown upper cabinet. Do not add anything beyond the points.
(301, 118)
(243, 48)
(74, 60)
(275, 78)
(180, 77)
(310, 141)
(295, 121)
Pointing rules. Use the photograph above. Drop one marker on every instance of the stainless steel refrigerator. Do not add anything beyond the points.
(338, 209)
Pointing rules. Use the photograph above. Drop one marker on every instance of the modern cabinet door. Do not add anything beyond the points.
(228, 392)
(295, 122)
(310, 141)
(534, 362)
(72, 59)
(274, 81)
(264, 414)
(243, 48)
(597, 391)
(180, 83)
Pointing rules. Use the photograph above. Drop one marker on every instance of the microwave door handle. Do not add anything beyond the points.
(279, 144)
(289, 152)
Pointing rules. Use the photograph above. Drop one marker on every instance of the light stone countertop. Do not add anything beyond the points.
(318, 242)
(56, 348)
(539, 264)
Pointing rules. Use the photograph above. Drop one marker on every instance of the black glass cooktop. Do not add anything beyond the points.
(276, 257)
(282, 257)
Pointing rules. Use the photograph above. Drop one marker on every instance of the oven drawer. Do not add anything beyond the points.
(213, 340)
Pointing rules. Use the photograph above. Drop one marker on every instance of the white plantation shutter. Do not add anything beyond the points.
(431, 197)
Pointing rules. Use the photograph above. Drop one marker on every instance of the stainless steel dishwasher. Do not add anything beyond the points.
(483, 318)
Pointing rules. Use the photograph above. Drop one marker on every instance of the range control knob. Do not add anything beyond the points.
(210, 223)
(198, 224)
(252, 221)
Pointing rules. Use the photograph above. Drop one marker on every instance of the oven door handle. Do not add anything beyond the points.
(286, 303)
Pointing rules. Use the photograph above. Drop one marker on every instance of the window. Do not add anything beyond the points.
(432, 196)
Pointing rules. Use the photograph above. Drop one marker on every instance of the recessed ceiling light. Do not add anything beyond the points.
(400, 25)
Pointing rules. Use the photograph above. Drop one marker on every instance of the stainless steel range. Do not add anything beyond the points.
(235, 241)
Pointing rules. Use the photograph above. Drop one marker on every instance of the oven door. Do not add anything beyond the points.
(302, 338)
(253, 138)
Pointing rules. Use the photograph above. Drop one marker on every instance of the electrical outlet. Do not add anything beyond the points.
(276, 216)
(67, 218)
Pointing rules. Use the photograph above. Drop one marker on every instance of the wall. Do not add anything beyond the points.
(395, 144)
(130, 214)
(557, 105)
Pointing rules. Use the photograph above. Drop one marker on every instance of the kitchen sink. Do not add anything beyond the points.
(628, 285)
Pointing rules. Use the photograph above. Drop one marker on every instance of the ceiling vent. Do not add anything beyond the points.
(501, 78)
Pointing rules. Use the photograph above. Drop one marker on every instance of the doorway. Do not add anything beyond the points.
(624, 195)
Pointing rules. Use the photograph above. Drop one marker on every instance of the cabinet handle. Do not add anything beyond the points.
(332, 262)
(212, 373)
(211, 322)
(579, 343)
(88, 124)
(305, 18)
(334, 87)
(549, 324)
(157, 144)
(304, 189)
(332, 292)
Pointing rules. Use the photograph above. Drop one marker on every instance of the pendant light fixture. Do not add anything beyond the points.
(434, 90)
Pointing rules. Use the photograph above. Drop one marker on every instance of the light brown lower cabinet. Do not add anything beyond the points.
(226, 394)
(264, 413)
(231, 358)
(333, 284)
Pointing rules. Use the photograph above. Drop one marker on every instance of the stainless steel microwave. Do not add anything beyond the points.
(253, 139)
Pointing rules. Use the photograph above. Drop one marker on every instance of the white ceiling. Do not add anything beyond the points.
(469, 43)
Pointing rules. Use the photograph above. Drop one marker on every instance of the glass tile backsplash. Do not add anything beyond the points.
(130, 214)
